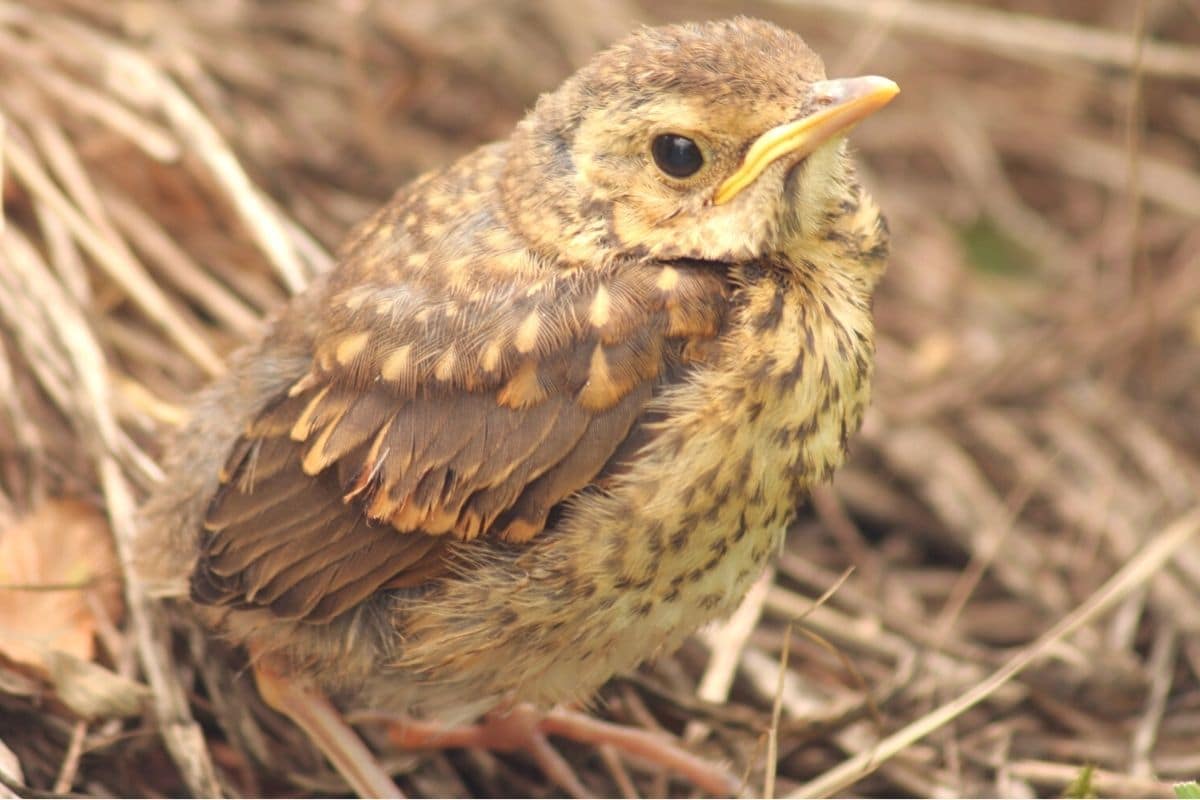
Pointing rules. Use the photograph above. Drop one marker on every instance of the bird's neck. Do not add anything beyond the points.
(849, 238)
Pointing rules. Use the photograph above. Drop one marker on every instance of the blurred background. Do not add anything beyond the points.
(172, 171)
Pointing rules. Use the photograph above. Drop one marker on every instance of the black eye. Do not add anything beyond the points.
(676, 155)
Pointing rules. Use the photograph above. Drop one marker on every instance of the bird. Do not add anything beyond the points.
(556, 403)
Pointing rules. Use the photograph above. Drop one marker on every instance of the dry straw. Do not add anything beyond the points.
(1019, 507)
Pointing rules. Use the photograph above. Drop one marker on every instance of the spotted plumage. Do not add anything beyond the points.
(555, 407)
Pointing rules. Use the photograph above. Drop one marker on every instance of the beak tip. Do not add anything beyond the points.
(886, 86)
(841, 90)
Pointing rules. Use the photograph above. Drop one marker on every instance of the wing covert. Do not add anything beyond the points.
(429, 416)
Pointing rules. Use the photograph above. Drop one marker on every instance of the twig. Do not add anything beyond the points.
(10, 771)
(981, 558)
(86, 402)
(1161, 668)
(1021, 36)
(1105, 783)
(3, 144)
(70, 764)
(1133, 152)
(1081, 156)
(265, 226)
(725, 645)
(776, 712)
(182, 735)
(1136, 572)
(128, 274)
(177, 267)
(612, 762)
(952, 482)
(152, 139)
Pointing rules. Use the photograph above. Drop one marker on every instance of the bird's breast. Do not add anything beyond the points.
(690, 522)
(690, 525)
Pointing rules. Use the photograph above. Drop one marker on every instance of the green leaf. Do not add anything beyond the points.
(1081, 788)
(1187, 791)
(991, 250)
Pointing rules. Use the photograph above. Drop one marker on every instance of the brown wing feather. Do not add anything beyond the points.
(476, 422)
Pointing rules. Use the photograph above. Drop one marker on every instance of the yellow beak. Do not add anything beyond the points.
(846, 102)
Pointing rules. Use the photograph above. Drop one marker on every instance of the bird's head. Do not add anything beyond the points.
(718, 141)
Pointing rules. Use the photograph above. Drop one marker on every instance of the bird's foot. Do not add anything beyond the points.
(524, 728)
(518, 728)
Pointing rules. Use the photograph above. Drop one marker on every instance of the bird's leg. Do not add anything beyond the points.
(524, 728)
(315, 715)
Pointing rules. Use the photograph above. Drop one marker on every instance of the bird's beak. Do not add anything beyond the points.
(843, 103)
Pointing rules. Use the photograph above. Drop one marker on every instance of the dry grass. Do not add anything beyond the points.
(1020, 508)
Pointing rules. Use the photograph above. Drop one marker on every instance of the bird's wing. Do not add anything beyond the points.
(428, 417)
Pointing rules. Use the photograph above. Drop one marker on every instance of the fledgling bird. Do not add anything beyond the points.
(557, 403)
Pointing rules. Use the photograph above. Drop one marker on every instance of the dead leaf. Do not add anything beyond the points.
(92, 691)
(49, 564)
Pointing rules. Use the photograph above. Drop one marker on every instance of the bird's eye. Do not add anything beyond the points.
(676, 155)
